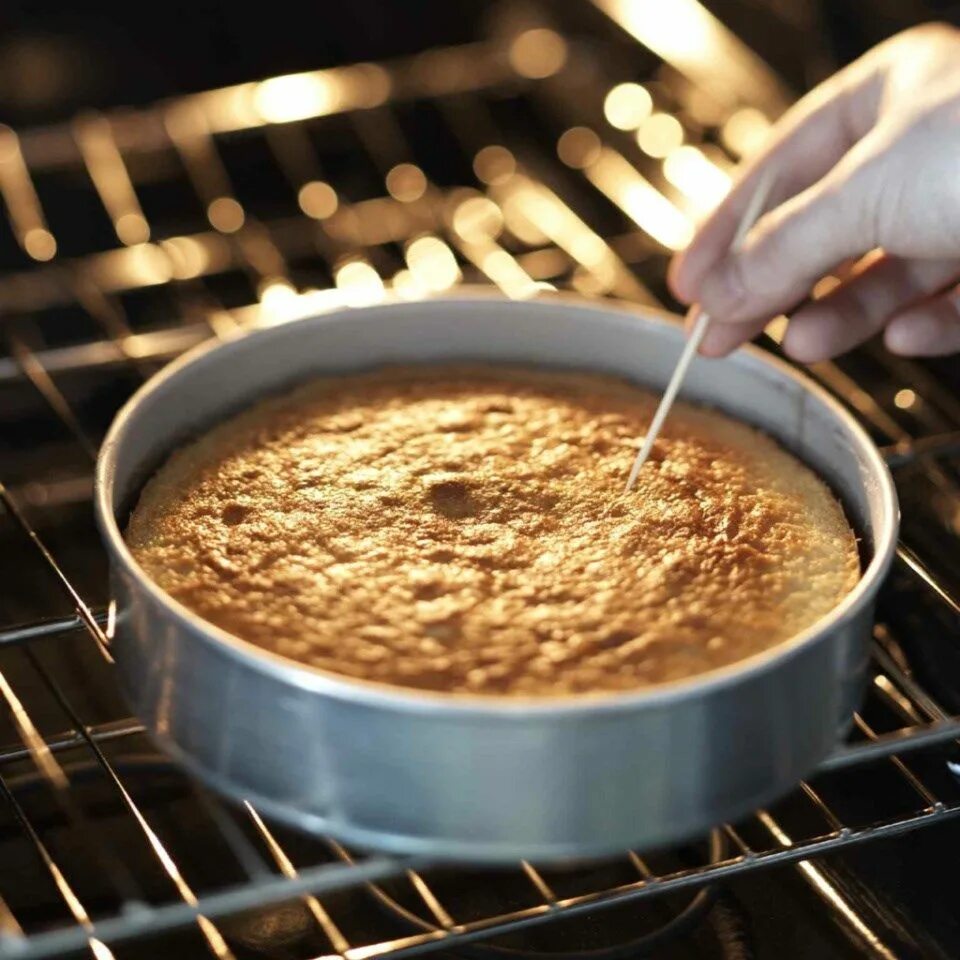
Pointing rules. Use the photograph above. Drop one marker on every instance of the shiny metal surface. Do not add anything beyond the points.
(473, 777)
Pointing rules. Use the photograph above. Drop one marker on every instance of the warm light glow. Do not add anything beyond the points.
(744, 133)
(697, 177)
(824, 286)
(905, 399)
(660, 135)
(679, 31)
(578, 147)
(99, 949)
(432, 263)
(275, 293)
(9, 144)
(494, 164)
(108, 171)
(627, 105)
(225, 215)
(693, 41)
(360, 283)
(40, 244)
(406, 286)
(538, 53)
(317, 199)
(144, 265)
(295, 97)
(20, 197)
(132, 228)
(188, 258)
(525, 200)
(516, 215)
(507, 274)
(279, 301)
(640, 200)
(477, 218)
(406, 183)
(590, 283)
(776, 329)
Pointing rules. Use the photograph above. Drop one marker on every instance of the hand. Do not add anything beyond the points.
(870, 159)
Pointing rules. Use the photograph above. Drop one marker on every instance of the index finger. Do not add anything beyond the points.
(806, 143)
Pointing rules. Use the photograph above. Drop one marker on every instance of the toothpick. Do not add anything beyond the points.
(750, 215)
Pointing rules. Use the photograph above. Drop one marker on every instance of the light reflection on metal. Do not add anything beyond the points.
(378, 221)
(745, 132)
(824, 286)
(476, 222)
(905, 399)
(296, 97)
(538, 53)
(144, 265)
(406, 182)
(317, 199)
(693, 41)
(649, 209)
(225, 214)
(21, 200)
(477, 218)
(697, 177)
(110, 177)
(828, 891)
(279, 302)
(407, 287)
(578, 147)
(659, 135)
(189, 258)
(190, 133)
(627, 105)
(50, 768)
(337, 940)
(776, 329)
(360, 283)
(525, 199)
(432, 263)
(275, 293)
(494, 164)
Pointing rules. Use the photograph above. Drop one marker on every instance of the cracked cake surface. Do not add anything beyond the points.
(464, 529)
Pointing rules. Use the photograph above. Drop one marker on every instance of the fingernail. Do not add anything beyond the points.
(722, 291)
(715, 344)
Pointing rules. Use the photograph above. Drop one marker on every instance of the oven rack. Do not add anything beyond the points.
(518, 235)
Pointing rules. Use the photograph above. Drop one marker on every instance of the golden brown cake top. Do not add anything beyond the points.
(464, 529)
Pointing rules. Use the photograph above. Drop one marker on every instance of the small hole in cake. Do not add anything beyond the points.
(615, 639)
(452, 499)
(428, 591)
(234, 513)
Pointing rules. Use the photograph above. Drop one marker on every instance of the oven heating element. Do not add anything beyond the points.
(533, 160)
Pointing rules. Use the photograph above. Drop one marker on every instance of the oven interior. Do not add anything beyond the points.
(533, 146)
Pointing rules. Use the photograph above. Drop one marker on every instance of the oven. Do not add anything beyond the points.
(531, 147)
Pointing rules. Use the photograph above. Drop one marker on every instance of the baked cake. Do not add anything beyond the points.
(464, 529)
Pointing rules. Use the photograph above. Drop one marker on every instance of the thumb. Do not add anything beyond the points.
(799, 242)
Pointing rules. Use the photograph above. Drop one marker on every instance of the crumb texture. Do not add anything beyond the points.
(464, 529)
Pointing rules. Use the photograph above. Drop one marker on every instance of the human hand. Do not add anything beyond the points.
(870, 159)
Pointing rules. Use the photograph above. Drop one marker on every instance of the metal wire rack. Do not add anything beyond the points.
(531, 160)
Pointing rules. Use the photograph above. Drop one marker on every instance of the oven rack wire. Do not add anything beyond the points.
(510, 226)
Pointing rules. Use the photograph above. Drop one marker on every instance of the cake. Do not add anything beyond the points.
(465, 529)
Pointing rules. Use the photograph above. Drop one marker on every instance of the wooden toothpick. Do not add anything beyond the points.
(750, 215)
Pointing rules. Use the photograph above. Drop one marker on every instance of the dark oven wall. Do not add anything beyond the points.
(57, 57)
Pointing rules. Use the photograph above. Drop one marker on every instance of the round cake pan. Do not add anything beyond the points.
(481, 777)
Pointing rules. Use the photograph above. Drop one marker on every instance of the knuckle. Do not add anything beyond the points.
(739, 275)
